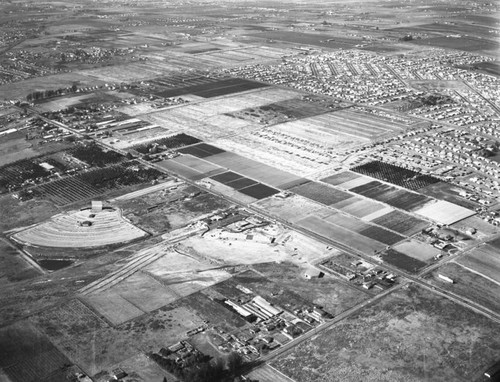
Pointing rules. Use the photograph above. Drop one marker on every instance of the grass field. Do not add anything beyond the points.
(14, 267)
(410, 335)
(417, 250)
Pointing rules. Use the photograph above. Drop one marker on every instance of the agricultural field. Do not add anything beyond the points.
(81, 229)
(468, 284)
(214, 89)
(93, 183)
(401, 222)
(444, 212)
(410, 264)
(321, 193)
(392, 196)
(396, 175)
(320, 40)
(410, 335)
(339, 234)
(448, 192)
(26, 355)
(167, 143)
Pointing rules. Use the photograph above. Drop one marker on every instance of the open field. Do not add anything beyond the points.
(410, 335)
(97, 346)
(26, 355)
(417, 250)
(324, 41)
(328, 292)
(468, 284)
(215, 313)
(13, 266)
(484, 260)
(114, 308)
(293, 208)
(449, 193)
(139, 368)
(68, 230)
(17, 214)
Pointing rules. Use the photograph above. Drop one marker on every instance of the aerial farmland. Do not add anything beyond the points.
(249, 191)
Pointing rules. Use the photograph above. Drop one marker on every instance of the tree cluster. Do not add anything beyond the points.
(43, 94)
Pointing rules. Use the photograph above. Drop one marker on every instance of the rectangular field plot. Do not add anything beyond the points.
(113, 307)
(180, 169)
(201, 150)
(197, 164)
(240, 183)
(401, 222)
(485, 261)
(444, 212)
(255, 170)
(362, 208)
(375, 233)
(27, 355)
(340, 235)
(291, 209)
(268, 373)
(402, 261)
(321, 193)
(396, 175)
(259, 191)
(214, 89)
(226, 177)
(417, 250)
(340, 178)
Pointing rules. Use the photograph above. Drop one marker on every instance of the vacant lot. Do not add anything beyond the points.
(328, 292)
(13, 266)
(97, 346)
(293, 208)
(469, 284)
(484, 260)
(410, 335)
